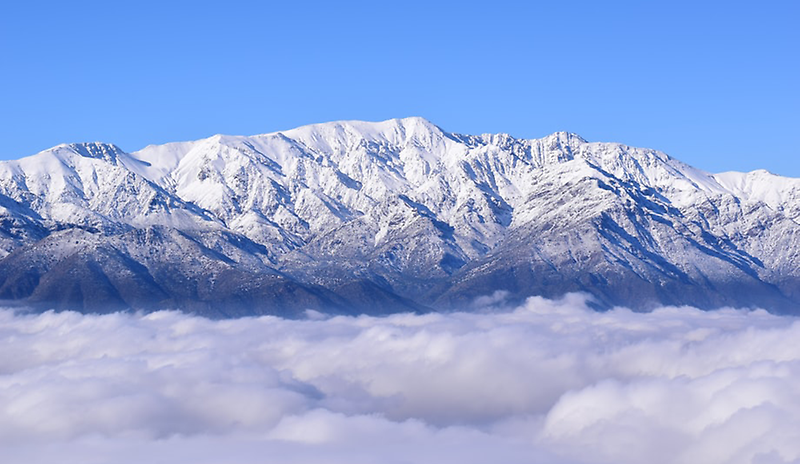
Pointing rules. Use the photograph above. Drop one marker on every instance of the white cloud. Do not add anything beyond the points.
(550, 381)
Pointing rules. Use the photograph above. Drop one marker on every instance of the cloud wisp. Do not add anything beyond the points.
(549, 381)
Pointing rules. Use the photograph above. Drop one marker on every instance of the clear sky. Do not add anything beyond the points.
(714, 84)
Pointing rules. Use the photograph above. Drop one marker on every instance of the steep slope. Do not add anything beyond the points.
(212, 274)
(627, 245)
(395, 215)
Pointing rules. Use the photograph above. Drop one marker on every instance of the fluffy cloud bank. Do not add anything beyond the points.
(550, 381)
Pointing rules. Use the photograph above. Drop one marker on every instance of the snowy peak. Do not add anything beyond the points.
(564, 142)
(396, 212)
(780, 193)
(395, 132)
(343, 168)
(97, 150)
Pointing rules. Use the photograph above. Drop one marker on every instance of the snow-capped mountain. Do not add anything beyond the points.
(397, 215)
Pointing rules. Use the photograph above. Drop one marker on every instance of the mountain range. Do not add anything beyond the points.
(400, 215)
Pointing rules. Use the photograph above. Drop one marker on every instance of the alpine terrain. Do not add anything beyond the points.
(360, 217)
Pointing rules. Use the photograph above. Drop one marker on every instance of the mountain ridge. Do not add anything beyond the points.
(356, 214)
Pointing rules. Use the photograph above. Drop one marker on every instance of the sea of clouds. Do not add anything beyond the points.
(550, 381)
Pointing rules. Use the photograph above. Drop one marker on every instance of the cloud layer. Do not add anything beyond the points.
(550, 381)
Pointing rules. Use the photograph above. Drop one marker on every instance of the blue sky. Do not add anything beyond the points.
(714, 84)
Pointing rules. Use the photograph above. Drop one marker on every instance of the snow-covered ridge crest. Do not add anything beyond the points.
(778, 192)
(403, 208)
(347, 167)
(409, 150)
(93, 185)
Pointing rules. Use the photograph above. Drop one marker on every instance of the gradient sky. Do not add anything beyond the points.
(714, 84)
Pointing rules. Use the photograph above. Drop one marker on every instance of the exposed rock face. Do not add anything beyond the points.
(394, 216)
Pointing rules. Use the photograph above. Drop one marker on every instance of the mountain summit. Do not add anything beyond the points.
(396, 215)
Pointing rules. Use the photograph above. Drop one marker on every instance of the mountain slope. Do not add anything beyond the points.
(397, 215)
